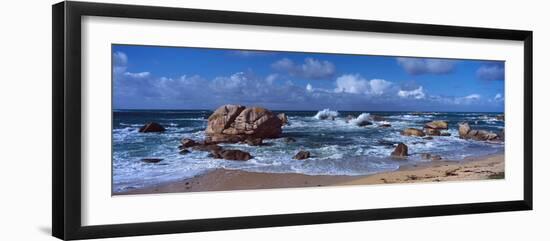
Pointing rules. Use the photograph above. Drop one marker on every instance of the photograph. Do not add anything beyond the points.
(195, 119)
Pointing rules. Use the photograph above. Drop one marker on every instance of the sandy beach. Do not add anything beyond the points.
(481, 168)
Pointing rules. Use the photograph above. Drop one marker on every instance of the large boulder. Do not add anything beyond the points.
(463, 129)
(437, 125)
(233, 155)
(235, 123)
(412, 132)
(152, 127)
(401, 151)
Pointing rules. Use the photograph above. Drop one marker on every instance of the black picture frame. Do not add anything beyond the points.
(66, 127)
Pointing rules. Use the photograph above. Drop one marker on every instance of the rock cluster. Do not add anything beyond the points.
(466, 132)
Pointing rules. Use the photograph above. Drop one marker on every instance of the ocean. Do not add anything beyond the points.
(337, 147)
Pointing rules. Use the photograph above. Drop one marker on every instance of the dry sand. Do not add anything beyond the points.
(489, 167)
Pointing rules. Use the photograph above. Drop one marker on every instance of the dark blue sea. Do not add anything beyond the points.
(338, 147)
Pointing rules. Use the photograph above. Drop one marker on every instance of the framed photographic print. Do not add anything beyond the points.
(170, 120)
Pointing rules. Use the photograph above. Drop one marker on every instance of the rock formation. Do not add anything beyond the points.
(412, 132)
(152, 127)
(236, 123)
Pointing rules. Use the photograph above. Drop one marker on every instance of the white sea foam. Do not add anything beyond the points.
(362, 118)
(326, 114)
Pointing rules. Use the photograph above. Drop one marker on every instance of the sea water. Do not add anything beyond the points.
(337, 146)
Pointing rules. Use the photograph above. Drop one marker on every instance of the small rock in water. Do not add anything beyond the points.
(290, 140)
(428, 138)
(233, 155)
(385, 125)
(151, 160)
(445, 134)
(184, 151)
(301, 155)
(412, 132)
(254, 141)
(186, 142)
(436, 158)
(207, 147)
(152, 127)
(401, 151)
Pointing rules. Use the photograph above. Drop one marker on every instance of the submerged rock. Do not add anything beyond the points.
(207, 147)
(289, 140)
(152, 127)
(254, 141)
(184, 151)
(432, 132)
(233, 155)
(151, 160)
(301, 155)
(413, 132)
(186, 142)
(401, 151)
(236, 123)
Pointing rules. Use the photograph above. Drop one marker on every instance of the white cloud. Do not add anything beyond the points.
(418, 66)
(310, 69)
(137, 75)
(472, 97)
(355, 84)
(379, 86)
(416, 93)
(120, 60)
(498, 97)
(309, 88)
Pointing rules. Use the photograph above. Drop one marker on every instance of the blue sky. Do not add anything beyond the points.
(149, 77)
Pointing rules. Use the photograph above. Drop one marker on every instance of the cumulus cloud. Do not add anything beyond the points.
(310, 69)
(355, 84)
(120, 60)
(419, 66)
(491, 72)
(415, 93)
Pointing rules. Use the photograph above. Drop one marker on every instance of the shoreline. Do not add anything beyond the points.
(473, 168)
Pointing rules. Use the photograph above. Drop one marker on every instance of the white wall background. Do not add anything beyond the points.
(25, 101)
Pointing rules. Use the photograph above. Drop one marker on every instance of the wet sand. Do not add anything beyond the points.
(481, 168)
